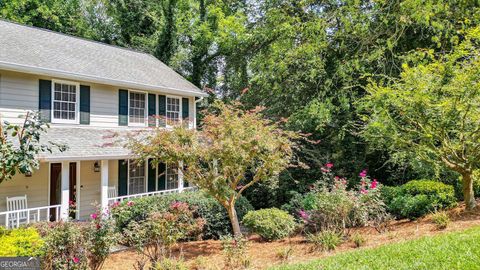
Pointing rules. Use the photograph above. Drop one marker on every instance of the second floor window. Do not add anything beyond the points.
(137, 108)
(65, 102)
(173, 111)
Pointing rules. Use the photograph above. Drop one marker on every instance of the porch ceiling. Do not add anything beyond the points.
(86, 143)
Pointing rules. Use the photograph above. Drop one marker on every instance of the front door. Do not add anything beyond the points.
(56, 187)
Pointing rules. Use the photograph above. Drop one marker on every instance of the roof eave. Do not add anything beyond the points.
(83, 158)
(95, 79)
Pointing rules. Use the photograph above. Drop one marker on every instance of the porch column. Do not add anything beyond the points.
(64, 208)
(104, 184)
(180, 177)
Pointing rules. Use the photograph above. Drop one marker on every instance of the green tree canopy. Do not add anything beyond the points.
(432, 112)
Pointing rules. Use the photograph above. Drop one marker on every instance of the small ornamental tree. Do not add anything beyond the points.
(234, 150)
(432, 112)
(20, 144)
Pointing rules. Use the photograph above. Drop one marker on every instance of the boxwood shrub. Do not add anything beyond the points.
(215, 215)
(418, 198)
(270, 224)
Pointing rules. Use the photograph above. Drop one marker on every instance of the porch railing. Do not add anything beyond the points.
(13, 219)
(148, 194)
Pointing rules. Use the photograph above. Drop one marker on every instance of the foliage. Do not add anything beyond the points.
(358, 239)
(20, 144)
(170, 264)
(21, 242)
(235, 252)
(155, 236)
(440, 219)
(284, 254)
(270, 224)
(429, 112)
(100, 238)
(334, 207)
(204, 206)
(418, 198)
(234, 150)
(429, 252)
(325, 240)
(64, 246)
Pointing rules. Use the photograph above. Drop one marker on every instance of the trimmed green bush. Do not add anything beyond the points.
(418, 198)
(206, 207)
(20, 242)
(270, 224)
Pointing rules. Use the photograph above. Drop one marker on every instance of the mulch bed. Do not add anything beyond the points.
(207, 254)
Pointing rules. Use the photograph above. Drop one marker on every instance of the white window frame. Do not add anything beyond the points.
(168, 168)
(145, 179)
(180, 113)
(77, 103)
(145, 117)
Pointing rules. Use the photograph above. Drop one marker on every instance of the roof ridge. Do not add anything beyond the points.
(77, 37)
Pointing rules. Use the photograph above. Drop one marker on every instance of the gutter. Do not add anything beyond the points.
(96, 79)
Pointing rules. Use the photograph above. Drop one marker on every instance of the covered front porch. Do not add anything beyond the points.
(73, 189)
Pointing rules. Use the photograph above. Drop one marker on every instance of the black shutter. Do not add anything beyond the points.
(45, 100)
(152, 176)
(84, 105)
(185, 109)
(152, 110)
(162, 176)
(122, 177)
(123, 107)
(162, 110)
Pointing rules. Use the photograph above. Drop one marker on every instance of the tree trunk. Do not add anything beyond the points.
(232, 214)
(468, 195)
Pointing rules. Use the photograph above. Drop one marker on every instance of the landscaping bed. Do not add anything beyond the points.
(208, 254)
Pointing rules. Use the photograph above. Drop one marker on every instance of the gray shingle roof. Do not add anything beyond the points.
(43, 52)
(86, 143)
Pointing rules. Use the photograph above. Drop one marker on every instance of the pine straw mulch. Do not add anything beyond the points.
(207, 254)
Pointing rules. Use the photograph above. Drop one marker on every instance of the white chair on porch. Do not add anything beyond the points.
(16, 204)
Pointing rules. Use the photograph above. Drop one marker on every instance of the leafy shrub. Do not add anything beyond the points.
(358, 240)
(160, 231)
(270, 224)
(20, 242)
(418, 198)
(64, 246)
(441, 219)
(100, 237)
(235, 252)
(216, 218)
(325, 240)
(336, 208)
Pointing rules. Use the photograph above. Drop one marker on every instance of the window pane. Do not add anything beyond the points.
(172, 177)
(136, 178)
(137, 108)
(173, 110)
(64, 101)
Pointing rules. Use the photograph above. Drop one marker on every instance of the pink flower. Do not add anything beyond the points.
(94, 216)
(98, 226)
(76, 260)
(364, 191)
(115, 204)
(363, 173)
(374, 184)
(324, 169)
(130, 203)
(329, 165)
(303, 214)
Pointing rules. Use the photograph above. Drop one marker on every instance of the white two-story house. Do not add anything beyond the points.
(86, 90)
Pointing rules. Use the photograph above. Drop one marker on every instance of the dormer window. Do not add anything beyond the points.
(137, 108)
(65, 102)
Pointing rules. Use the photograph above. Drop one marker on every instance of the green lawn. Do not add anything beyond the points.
(458, 250)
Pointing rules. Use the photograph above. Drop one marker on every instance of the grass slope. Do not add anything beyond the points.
(458, 250)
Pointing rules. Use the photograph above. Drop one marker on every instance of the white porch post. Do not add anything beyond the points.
(65, 190)
(180, 177)
(104, 184)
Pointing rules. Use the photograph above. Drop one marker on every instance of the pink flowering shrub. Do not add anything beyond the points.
(155, 236)
(330, 205)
